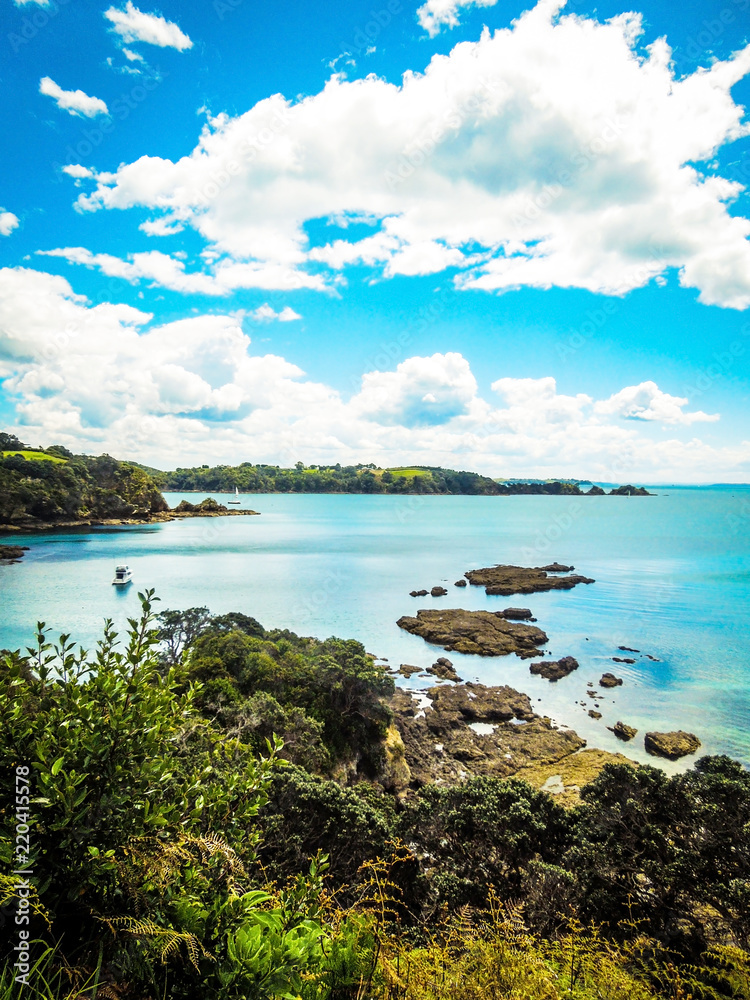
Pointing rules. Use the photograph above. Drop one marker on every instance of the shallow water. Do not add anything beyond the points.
(672, 580)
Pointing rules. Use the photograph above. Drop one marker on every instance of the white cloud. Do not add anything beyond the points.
(75, 102)
(421, 392)
(78, 171)
(8, 222)
(133, 25)
(266, 314)
(194, 390)
(436, 14)
(132, 56)
(167, 271)
(41, 3)
(551, 153)
(647, 402)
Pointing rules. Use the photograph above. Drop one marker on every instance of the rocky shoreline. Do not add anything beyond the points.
(447, 735)
(457, 730)
(207, 508)
(12, 553)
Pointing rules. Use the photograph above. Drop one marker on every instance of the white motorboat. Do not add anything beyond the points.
(122, 577)
(236, 497)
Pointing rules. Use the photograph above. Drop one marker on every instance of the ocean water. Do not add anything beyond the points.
(672, 578)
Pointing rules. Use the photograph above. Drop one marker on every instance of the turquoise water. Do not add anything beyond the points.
(672, 579)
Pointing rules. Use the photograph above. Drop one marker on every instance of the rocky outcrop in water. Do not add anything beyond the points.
(610, 681)
(438, 592)
(442, 668)
(206, 508)
(407, 669)
(623, 732)
(482, 632)
(508, 580)
(12, 553)
(671, 745)
(518, 614)
(630, 491)
(554, 670)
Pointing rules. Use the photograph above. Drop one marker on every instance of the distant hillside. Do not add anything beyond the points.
(249, 478)
(420, 479)
(53, 485)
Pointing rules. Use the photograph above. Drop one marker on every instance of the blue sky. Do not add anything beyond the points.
(482, 235)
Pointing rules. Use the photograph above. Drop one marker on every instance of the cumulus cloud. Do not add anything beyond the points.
(77, 171)
(437, 14)
(133, 25)
(267, 314)
(8, 222)
(194, 390)
(550, 153)
(75, 102)
(421, 392)
(647, 402)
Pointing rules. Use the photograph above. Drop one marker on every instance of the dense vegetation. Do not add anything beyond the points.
(177, 846)
(251, 478)
(55, 485)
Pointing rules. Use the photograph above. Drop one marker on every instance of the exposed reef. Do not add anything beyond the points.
(483, 632)
(523, 579)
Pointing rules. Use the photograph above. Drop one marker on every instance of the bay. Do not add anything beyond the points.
(672, 578)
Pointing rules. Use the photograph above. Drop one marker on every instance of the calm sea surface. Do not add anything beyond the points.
(672, 580)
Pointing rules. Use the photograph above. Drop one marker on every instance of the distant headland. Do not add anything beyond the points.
(45, 487)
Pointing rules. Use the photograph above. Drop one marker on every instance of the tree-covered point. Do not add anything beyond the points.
(324, 698)
(68, 487)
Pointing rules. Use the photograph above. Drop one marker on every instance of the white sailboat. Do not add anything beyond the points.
(236, 497)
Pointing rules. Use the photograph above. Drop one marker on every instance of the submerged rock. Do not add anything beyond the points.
(622, 659)
(417, 593)
(671, 745)
(594, 715)
(522, 579)
(610, 681)
(460, 583)
(554, 670)
(482, 632)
